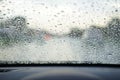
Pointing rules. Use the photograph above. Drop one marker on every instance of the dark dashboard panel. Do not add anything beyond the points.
(59, 73)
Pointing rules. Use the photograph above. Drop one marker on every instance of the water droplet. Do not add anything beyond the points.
(62, 11)
(4, 14)
(116, 10)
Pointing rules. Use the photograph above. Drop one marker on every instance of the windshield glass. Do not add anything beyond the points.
(60, 30)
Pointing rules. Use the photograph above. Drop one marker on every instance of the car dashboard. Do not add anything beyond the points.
(60, 73)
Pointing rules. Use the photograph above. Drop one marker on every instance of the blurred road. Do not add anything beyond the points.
(62, 49)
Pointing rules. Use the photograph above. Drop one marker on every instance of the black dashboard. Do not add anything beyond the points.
(60, 73)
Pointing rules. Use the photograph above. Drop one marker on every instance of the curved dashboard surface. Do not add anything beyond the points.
(59, 73)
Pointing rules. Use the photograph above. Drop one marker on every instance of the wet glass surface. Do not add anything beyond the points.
(60, 30)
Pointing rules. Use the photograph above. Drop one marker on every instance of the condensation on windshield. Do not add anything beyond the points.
(60, 31)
